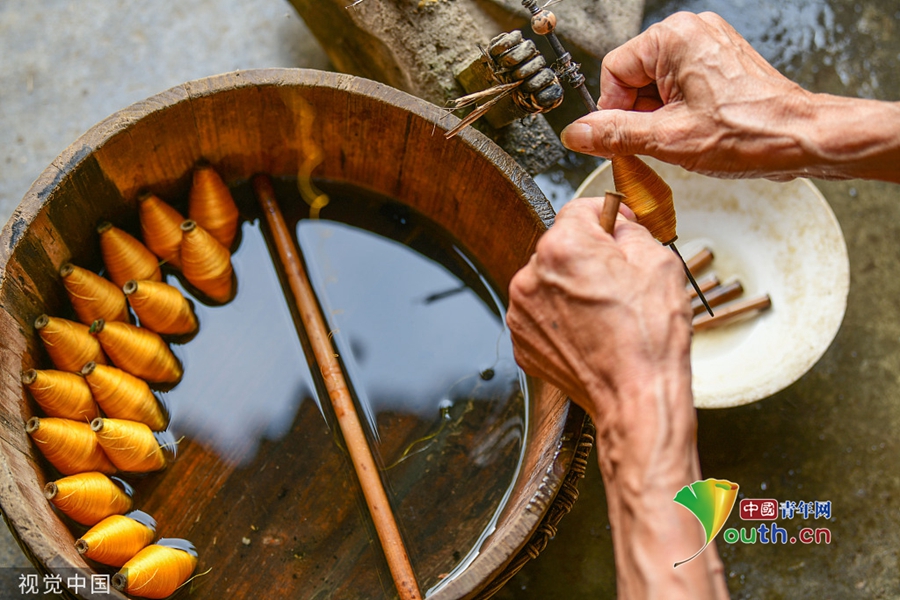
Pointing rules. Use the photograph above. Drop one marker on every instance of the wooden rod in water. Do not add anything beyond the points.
(339, 393)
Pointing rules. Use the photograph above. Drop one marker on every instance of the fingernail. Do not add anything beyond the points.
(578, 137)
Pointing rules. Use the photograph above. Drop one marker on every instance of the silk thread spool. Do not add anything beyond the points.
(206, 263)
(138, 351)
(212, 206)
(88, 498)
(117, 538)
(93, 297)
(650, 198)
(161, 228)
(126, 257)
(161, 307)
(121, 395)
(157, 570)
(69, 344)
(70, 446)
(61, 394)
(647, 195)
(131, 446)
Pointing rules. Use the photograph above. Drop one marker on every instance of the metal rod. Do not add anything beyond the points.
(691, 279)
(348, 420)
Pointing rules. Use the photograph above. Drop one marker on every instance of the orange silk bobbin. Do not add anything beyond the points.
(89, 497)
(93, 297)
(61, 394)
(138, 351)
(70, 446)
(69, 344)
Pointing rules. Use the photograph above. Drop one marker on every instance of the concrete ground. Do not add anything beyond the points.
(830, 436)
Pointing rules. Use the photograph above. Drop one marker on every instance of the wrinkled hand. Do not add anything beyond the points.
(607, 320)
(603, 319)
(691, 91)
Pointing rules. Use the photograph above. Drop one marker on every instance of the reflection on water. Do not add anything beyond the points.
(412, 331)
(420, 334)
(244, 373)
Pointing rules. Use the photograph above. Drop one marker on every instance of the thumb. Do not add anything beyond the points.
(611, 131)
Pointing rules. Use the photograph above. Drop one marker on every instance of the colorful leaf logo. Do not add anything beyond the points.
(711, 501)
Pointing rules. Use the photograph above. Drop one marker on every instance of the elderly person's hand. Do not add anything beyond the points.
(607, 320)
(691, 91)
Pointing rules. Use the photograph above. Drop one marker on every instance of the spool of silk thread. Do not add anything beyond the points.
(61, 394)
(206, 263)
(212, 206)
(90, 497)
(126, 257)
(138, 351)
(93, 297)
(161, 307)
(69, 344)
(157, 570)
(118, 538)
(131, 446)
(70, 446)
(121, 395)
(161, 228)
(647, 195)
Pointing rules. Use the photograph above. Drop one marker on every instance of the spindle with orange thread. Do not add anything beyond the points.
(138, 351)
(118, 538)
(211, 205)
(121, 395)
(125, 257)
(206, 263)
(89, 497)
(70, 446)
(161, 307)
(645, 192)
(69, 344)
(92, 296)
(157, 570)
(130, 446)
(650, 198)
(61, 394)
(160, 228)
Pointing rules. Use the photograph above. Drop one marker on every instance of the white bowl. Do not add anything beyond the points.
(777, 238)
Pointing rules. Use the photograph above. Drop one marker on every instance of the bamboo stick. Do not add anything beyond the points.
(705, 283)
(610, 211)
(718, 295)
(348, 420)
(733, 312)
(700, 261)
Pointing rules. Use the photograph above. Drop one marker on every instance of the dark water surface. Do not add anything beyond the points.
(420, 334)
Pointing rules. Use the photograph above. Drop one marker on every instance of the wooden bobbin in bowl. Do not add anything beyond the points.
(370, 136)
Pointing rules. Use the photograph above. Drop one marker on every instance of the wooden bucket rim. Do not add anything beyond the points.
(565, 449)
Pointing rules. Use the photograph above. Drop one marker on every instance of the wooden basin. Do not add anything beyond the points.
(276, 121)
